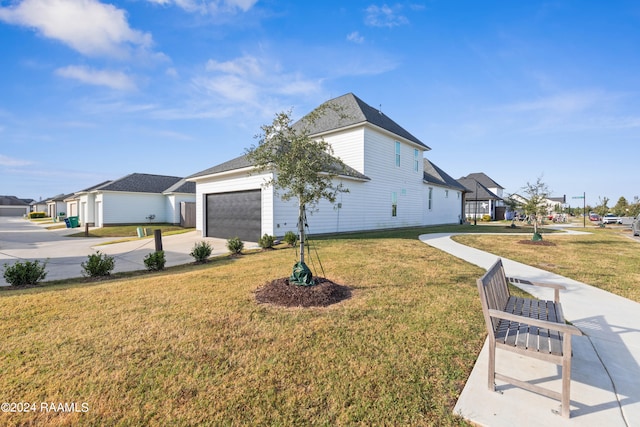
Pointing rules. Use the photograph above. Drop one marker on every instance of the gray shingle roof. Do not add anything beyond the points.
(433, 174)
(12, 201)
(182, 186)
(352, 110)
(483, 192)
(484, 180)
(233, 164)
(141, 183)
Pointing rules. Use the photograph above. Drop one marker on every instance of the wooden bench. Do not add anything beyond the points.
(526, 326)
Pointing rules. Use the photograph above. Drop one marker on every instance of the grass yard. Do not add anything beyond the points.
(606, 258)
(131, 231)
(191, 346)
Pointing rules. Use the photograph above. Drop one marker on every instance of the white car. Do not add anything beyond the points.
(611, 219)
(635, 227)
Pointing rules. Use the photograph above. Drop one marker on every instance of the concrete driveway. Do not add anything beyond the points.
(23, 240)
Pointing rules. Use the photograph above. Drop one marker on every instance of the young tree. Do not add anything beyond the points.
(602, 209)
(535, 206)
(302, 168)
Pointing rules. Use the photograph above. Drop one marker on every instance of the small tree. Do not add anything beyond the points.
(535, 206)
(602, 209)
(302, 168)
(622, 207)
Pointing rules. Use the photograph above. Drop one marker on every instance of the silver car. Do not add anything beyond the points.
(636, 226)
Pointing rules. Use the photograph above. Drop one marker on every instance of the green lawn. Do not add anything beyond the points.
(192, 346)
(131, 231)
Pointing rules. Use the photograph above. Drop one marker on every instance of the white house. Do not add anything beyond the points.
(390, 183)
(134, 199)
(56, 206)
(13, 206)
(484, 196)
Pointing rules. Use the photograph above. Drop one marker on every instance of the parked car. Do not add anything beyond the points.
(594, 216)
(635, 226)
(611, 219)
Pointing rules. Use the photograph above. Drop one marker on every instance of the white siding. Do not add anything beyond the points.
(348, 145)
(444, 210)
(132, 208)
(172, 206)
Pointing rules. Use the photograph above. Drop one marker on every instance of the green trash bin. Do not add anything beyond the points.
(73, 222)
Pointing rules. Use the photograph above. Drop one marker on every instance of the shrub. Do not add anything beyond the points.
(266, 241)
(25, 273)
(486, 218)
(155, 261)
(235, 245)
(37, 214)
(98, 265)
(290, 238)
(201, 251)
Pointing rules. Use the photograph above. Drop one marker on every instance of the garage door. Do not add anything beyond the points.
(236, 214)
(5, 211)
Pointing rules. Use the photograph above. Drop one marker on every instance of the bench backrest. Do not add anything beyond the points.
(494, 293)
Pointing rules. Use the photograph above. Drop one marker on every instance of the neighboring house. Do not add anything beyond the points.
(134, 199)
(390, 185)
(484, 197)
(553, 205)
(13, 206)
(56, 206)
(39, 206)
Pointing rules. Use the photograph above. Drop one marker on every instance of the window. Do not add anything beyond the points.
(397, 154)
(394, 204)
(416, 158)
(430, 197)
(446, 194)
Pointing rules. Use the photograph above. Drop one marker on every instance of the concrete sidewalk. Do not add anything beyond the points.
(605, 383)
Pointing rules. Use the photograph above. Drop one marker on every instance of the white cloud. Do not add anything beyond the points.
(11, 162)
(212, 7)
(563, 103)
(355, 37)
(113, 79)
(250, 80)
(88, 26)
(384, 16)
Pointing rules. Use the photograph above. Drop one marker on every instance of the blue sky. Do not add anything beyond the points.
(93, 90)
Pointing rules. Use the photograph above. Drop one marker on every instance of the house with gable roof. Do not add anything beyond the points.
(134, 199)
(484, 197)
(390, 183)
(13, 206)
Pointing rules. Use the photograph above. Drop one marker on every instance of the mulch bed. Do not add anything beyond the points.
(323, 293)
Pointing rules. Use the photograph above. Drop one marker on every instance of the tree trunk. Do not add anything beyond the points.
(301, 230)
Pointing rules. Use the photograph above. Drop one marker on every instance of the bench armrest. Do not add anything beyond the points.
(560, 327)
(556, 287)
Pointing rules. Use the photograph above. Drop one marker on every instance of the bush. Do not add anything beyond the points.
(290, 238)
(486, 218)
(37, 215)
(201, 251)
(155, 261)
(98, 265)
(25, 273)
(235, 245)
(266, 241)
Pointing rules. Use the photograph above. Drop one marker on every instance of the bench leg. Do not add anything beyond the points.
(566, 376)
(492, 366)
